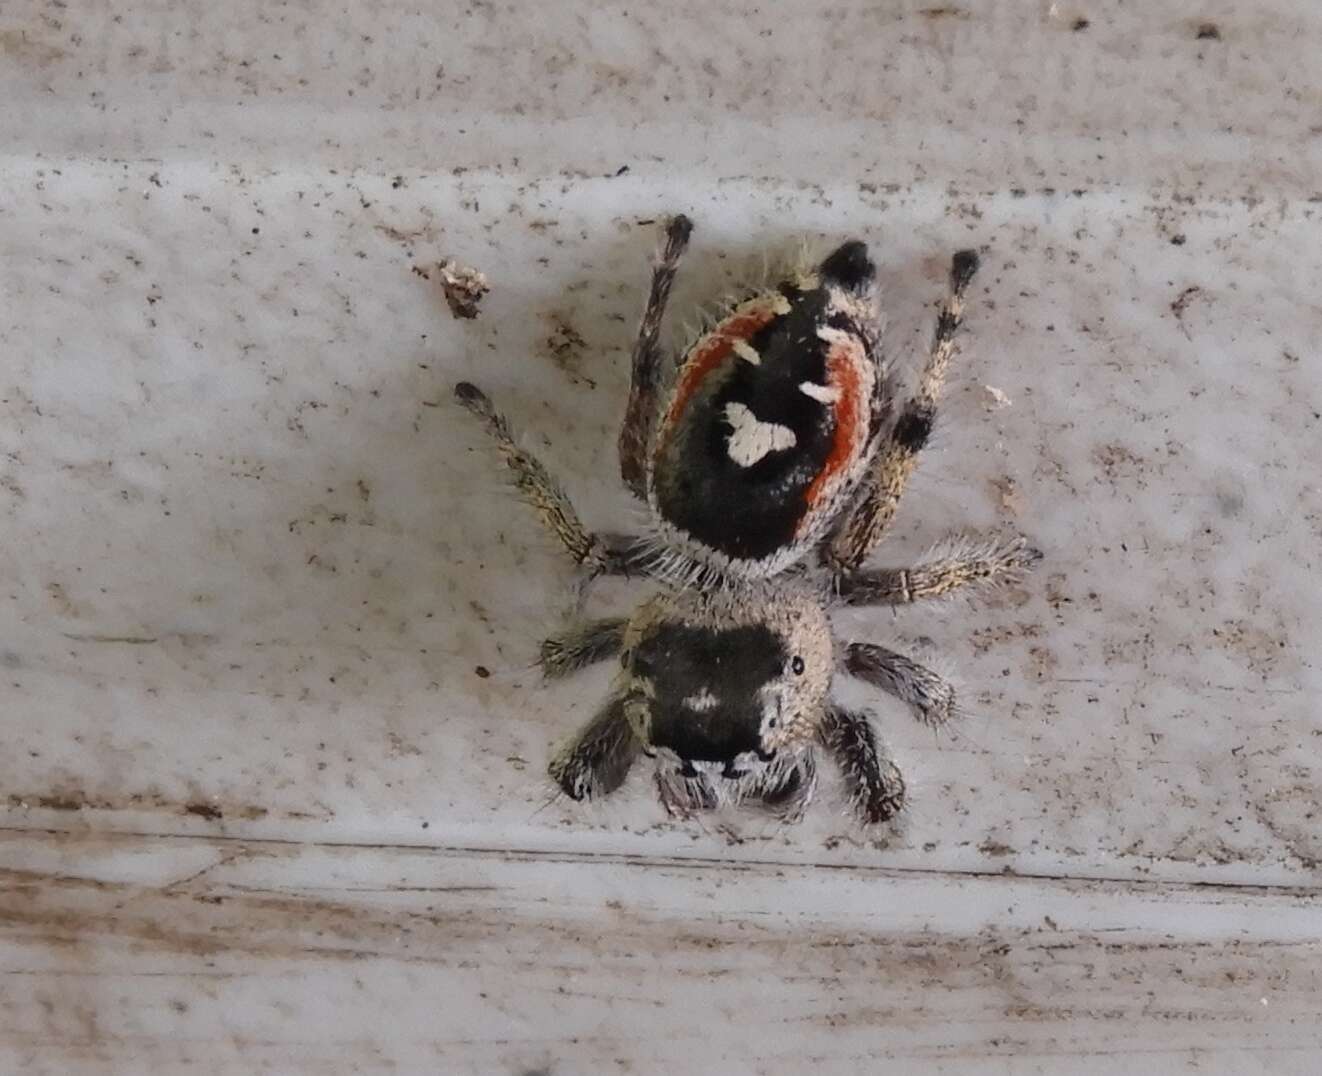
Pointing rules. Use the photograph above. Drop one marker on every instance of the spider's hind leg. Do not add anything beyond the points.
(870, 515)
(537, 485)
(645, 379)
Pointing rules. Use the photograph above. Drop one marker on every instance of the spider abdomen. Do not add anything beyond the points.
(771, 418)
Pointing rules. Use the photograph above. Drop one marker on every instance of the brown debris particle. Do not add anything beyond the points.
(1181, 304)
(58, 803)
(76, 799)
(992, 847)
(1044, 662)
(399, 747)
(1011, 500)
(464, 287)
(1208, 31)
(1056, 593)
(1120, 465)
(566, 345)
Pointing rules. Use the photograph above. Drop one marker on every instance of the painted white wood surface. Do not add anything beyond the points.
(262, 812)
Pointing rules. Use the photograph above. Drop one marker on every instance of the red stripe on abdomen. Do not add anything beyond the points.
(713, 349)
(843, 363)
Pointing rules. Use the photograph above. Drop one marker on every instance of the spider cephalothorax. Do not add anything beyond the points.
(725, 687)
(772, 465)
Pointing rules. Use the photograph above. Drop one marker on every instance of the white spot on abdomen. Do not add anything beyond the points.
(703, 701)
(825, 394)
(834, 336)
(747, 352)
(751, 438)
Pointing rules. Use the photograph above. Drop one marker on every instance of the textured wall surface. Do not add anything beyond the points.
(272, 793)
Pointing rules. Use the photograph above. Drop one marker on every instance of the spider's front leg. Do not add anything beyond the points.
(646, 376)
(579, 647)
(597, 759)
(876, 789)
(878, 496)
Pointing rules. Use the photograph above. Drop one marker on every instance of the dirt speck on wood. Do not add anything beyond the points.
(1181, 303)
(1007, 494)
(566, 345)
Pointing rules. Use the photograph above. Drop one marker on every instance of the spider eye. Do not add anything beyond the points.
(797, 665)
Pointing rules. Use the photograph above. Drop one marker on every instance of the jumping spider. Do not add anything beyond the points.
(772, 467)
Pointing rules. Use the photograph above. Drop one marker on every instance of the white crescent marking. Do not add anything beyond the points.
(825, 394)
(747, 352)
(834, 336)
